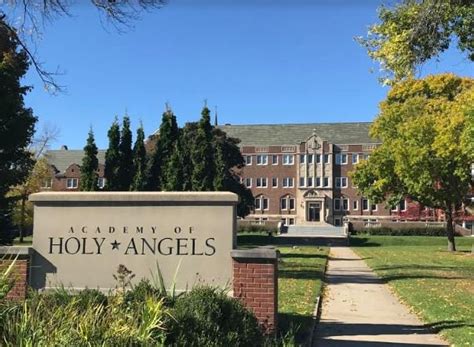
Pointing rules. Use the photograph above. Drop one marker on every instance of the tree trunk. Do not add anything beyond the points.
(22, 218)
(450, 231)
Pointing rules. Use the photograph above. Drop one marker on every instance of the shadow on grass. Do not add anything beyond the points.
(302, 255)
(362, 242)
(246, 241)
(296, 323)
(301, 274)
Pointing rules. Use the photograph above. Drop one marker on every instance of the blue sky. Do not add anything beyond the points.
(257, 61)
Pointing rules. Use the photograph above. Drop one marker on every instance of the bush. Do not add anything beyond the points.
(208, 317)
(427, 231)
(140, 292)
(256, 228)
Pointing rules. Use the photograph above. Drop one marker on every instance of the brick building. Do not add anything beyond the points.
(298, 173)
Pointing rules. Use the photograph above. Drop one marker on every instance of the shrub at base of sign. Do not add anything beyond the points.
(141, 316)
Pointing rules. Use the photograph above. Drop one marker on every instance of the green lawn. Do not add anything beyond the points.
(301, 272)
(27, 240)
(436, 284)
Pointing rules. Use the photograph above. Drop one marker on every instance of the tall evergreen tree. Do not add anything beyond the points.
(16, 123)
(125, 169)
(139, 161)
(164, 145)
(188, 136)
(112, 158)
(173, 175)
(90, 165)
(202, 155)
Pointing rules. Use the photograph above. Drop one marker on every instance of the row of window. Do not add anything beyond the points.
(262, 203)
(289, 159)
(342, 204)
(71, 183)
(288, 182)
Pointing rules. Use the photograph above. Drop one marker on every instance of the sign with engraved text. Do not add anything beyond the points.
(80, 239)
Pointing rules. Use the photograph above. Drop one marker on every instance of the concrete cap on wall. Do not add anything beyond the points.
(162, 197)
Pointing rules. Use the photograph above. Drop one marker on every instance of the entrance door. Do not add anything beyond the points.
(314, 209)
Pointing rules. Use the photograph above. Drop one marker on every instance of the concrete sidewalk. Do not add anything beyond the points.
(359, 310)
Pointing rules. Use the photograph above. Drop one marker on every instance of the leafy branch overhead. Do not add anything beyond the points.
(413, 32)
(26, 19)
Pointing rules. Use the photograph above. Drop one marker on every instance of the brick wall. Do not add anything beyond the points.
(20, 257)
(255, 283)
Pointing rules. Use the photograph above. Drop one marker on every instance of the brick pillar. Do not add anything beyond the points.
(255, 283)
(20, 257)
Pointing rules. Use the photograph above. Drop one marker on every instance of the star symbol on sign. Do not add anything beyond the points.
(115, 244)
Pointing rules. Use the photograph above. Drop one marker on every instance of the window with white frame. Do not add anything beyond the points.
(373, 207)
(72, 183)
(341, 159)
(288, 159)
(355, 158)
(262, 159)
(337, 222)
(355, 205)
(341, 182)
(327, 159)
(318, 182)
(261, 203)
(47, 183)
(403, 205)
(318, 158)
(248, 182)
(337, 204)
(309, 182)
(265, 203)
(325, 181)
(309, 158)
(274, 159)
(283, 203)
(345, 204)
(291, 203)
(291, 221)
(288, 182)
(248, 160)
(365, 204)
(274, 182)
(261, 182)
(258, 203)
(302, 182)
(302, 158)
(101, 182)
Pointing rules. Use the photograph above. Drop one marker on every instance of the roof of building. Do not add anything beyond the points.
(63, 158)
(293, 134)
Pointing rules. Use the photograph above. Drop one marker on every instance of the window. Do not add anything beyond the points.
(326, 181)
(302, 158)
(265, 203)
(341, 182)
(288, 159)
(261, 203)
(47, 183)
(403, 205)
(292, 203)
(318, 181)
(288, 182)
(291, 221)
(337, 222)
(345, 204)
(302, 182)
(248, 182)
(248, 160)
(310, 158)
(283, 203)
(355, 158)
(274, 159)
(365, 204)
(337, 204)
(274, 182)
(72, 183)
(355, 205)
(373, 207)
(309, 182)
(101, 182)
(327, 159)
(261, 182)
(262, 159)
(341, 159)
(257, 204)
(318, 158)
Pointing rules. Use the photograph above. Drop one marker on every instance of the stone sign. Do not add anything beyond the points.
(80, 239)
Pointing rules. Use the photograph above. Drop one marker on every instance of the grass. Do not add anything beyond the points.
(27, 241)
(436, 284)
(300, 278)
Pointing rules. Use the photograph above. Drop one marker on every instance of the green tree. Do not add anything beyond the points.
(427, 146)
(139, 161)
(90, 165)
(125, 169)
(202, 155)
(173, 173)
(412, 32)
(187, 143)
(112, 158)
(16, 124)
(164, 145)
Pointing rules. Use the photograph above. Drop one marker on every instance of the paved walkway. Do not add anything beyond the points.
(359, 310)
